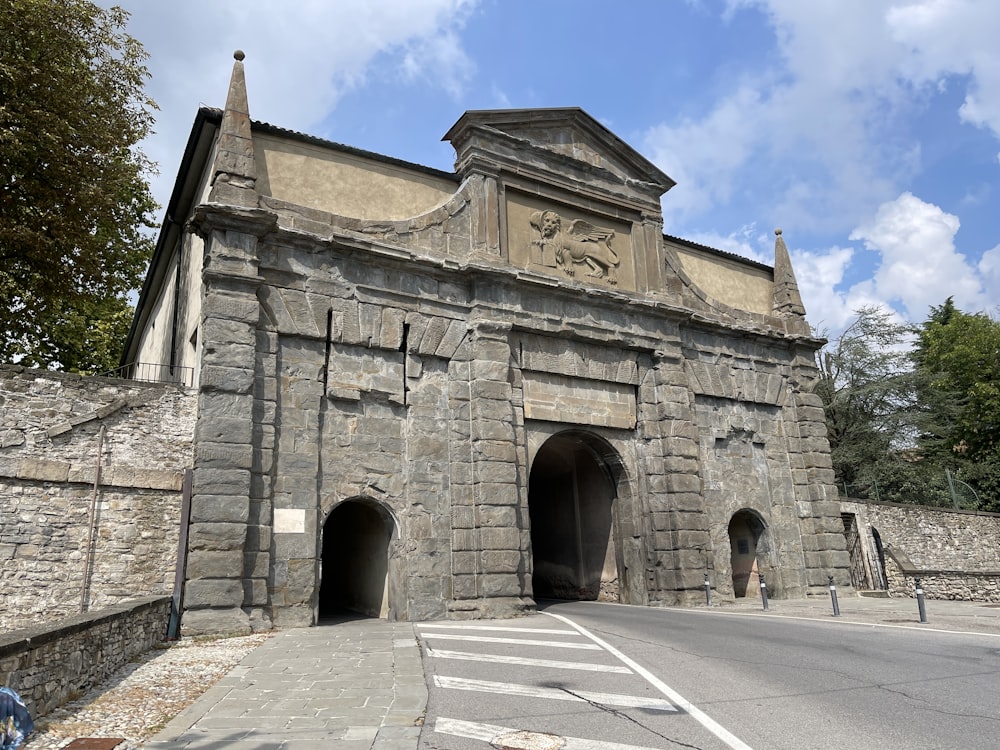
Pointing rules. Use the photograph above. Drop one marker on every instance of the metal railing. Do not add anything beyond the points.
(150, 372)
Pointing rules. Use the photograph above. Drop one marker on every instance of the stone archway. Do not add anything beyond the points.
(355, 561)
(571, 493)
(746, 540)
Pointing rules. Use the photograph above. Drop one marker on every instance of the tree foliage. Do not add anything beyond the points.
(913, 413)
(75, 202)
(867, 389)
(960, 353)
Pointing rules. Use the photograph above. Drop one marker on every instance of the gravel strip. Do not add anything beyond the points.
(142, 696)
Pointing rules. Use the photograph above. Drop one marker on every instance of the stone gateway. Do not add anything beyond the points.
(430, 395)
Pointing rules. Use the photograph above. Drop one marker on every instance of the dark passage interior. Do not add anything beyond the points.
(355, 561)
(570, 495)
(745, 531)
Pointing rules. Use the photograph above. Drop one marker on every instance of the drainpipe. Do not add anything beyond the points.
(174, 626)
(89, 551)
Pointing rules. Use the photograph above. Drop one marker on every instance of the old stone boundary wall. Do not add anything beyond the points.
(55, 429)
(49, 664)
(956, 554)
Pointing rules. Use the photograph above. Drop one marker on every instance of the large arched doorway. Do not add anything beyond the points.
(745, 534)
(570, 499)
(355, 561)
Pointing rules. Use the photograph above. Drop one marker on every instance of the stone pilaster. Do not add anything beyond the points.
(428, 525)
(824, 543)
(679, 527)
(486, 513)
(214, 595)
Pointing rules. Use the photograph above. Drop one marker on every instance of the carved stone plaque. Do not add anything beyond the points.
(572, 244)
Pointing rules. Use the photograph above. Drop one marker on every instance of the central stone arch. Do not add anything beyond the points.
(572, 493)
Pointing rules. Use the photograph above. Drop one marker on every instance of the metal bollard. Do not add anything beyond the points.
(763, 592)
(920, 600)
(833, 597)
(708, 591)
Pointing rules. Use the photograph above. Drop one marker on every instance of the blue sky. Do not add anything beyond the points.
(869, 130)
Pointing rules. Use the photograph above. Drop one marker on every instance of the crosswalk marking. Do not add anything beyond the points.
(516, 739)
(532, 691)
(518, 641)
(462, 626)
(730, 739)
(524, 661)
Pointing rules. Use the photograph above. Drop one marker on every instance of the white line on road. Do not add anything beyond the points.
(679, 700)
(526, 662)
(518, 739)
(519, 641)
(552, 693)
(443, 626)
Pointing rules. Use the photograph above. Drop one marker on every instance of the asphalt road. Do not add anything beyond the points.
(591, 676)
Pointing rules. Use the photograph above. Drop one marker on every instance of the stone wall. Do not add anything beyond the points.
(956, 554)
(49, 664)
(56, 428)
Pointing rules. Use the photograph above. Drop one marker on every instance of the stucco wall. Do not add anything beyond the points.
(737, 285)
(345, 183)
(55, 428)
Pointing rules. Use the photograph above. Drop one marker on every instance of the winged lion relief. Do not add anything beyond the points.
(568, 244)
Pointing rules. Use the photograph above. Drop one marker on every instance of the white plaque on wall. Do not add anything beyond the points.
(289, 521)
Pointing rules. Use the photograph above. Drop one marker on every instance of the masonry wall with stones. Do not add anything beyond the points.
(519, 386)
(955, 553)
(426, 392)
(49, 664)
(56, 429)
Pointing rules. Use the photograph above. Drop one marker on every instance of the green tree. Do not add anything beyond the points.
(75, 203)
(958, 357)
(867, 392)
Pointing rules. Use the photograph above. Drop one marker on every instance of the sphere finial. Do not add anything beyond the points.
(238, 54)
(778, 231)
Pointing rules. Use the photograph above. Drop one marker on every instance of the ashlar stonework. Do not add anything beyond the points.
(429, 395)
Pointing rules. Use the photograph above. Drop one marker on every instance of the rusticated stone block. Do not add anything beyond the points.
(220, 509)
(202, 563)
(200, 593)
(231, 620)
(217, 536)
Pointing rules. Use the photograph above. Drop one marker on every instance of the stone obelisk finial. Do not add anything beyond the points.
(234, 174)
(786, 290)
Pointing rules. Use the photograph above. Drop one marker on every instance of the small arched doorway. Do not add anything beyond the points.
(355, 562)
(746, 530)
(570, 498)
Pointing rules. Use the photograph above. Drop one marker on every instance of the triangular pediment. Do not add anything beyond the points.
(567, 132)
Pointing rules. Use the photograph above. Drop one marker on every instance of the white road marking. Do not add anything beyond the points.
(676, 698)
(526, 662)
(522, 740)
(550, 693)
(518, 641)
(449, 626)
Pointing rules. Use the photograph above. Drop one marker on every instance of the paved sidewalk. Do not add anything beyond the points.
(356, 683)
(360, 683)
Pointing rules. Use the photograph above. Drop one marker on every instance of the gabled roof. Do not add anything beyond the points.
(569, 131)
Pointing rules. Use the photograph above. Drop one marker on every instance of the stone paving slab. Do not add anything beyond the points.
(359, 683)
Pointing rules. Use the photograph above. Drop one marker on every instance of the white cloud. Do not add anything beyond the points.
(829, 108)
(702, 156)
(299, 61)
(818, 275)
(920, 265)
(953, 37)
(989, 270)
